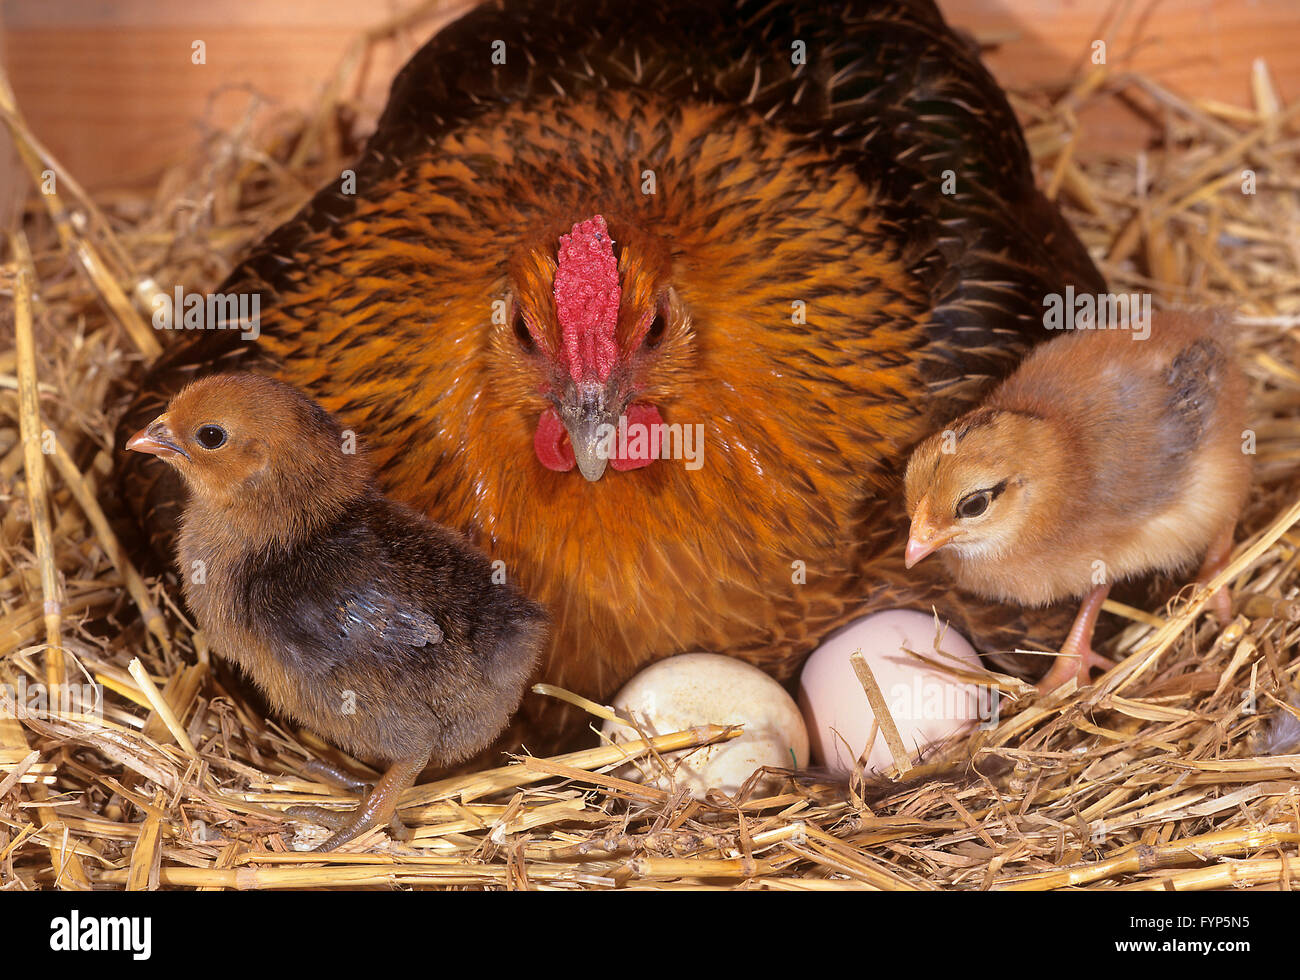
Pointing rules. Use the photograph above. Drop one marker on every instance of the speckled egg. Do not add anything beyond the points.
(704, 688)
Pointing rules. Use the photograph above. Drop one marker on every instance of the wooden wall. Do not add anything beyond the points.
(111, 89)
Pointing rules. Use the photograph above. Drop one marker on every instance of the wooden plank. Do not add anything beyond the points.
(1198, 48)
(112, 91)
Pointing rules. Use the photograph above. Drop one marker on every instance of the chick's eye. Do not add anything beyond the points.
(210, 436)
(523, 334)
(972, 505)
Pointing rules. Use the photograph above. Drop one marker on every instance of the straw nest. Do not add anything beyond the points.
(1167, 773)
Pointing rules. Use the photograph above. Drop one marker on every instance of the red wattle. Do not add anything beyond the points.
(646, 415)
(551, 443)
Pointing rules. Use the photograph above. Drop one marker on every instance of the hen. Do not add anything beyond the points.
(810, 228)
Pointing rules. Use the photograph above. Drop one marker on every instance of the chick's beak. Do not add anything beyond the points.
(925, 538)
(156, 439)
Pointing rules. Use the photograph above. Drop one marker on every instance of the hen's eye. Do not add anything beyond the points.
(523, 334)
(972, 505)
(210, 436)
(658, 323)
(656, 332)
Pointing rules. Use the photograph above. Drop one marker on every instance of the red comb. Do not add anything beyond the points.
(587, 298)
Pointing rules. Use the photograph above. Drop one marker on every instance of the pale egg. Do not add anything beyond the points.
(926, 704)
(703, 688)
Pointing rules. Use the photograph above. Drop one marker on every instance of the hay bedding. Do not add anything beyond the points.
(1157, 777)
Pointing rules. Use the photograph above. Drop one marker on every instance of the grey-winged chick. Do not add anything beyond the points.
(374, 627)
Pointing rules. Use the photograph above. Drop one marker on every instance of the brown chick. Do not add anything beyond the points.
(381, 631)
(1103, 457)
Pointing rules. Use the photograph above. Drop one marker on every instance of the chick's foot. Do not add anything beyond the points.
(1216, 559)
(379, 808)
(1077, 657)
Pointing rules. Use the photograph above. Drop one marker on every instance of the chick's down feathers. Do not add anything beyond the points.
(1107, 455)
(357, 617)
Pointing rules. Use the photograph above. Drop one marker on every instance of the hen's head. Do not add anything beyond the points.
(257, 451)
(587, 326)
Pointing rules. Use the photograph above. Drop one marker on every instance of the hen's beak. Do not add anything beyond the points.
(584, 414)
(925, 539)
(156, 439)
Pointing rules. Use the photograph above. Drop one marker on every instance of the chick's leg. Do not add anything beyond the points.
(379, 808)
(1216, 559)
(1077, 656)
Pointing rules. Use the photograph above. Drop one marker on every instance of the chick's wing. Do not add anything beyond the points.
(370, 615)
